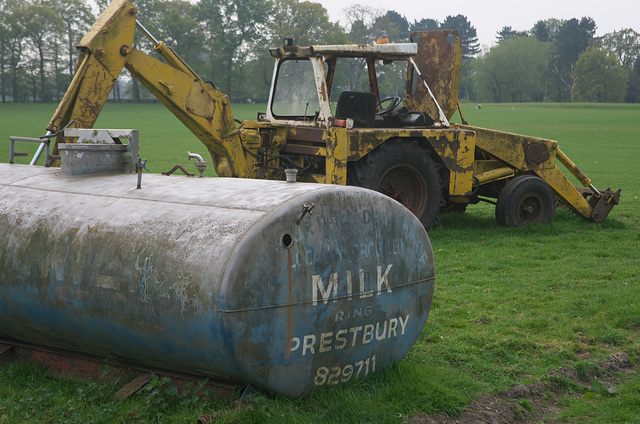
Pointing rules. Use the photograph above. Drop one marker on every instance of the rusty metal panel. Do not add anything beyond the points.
(456, 149)
(362, 140)
(224, 278)
(439, 59)
(535, 152)
(336, 161)
(522, 152)
(314, 135)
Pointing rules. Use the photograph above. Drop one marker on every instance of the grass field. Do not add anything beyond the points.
(164, 141)
(544, 307)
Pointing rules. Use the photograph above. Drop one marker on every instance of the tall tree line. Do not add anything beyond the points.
(560, 61)
(226, 42)
(37, 47)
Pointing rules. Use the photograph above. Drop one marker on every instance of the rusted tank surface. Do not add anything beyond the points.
(288, 287)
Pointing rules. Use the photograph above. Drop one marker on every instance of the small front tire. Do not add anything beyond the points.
(526, 199)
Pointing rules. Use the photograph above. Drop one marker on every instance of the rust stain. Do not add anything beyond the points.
(535, 152)
(289, 311)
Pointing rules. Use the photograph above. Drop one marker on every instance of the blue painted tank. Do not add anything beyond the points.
(289, 287)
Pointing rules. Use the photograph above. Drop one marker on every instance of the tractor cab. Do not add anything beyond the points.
(377, 85)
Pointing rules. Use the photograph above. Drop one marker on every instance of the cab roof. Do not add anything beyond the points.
(380, 51)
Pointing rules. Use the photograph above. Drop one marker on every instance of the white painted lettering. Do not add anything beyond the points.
(325, 342)
(355, 331)
(384, 331)
(318, 286)
(321, 293)
(393, 324)
(307, 259)
(423, 257)
(352, 313)
(403, 324)
(367, 334)
(383, 279)
(342, 340)
(360, 335)
(363, 251)
(308, 342)
(363, 293)
(397, 247)
(295, 346)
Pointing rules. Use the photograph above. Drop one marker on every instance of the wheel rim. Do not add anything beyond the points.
(530, 209)
(405, 185)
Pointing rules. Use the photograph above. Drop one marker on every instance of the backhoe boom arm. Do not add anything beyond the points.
(107, 48)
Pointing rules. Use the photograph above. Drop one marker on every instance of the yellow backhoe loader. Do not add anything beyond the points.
(403, 146)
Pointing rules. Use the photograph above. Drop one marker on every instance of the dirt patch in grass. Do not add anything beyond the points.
(533, 402)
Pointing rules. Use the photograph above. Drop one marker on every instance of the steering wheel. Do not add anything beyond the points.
(394, 102)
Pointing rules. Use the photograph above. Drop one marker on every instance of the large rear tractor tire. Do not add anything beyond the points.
(526, 199)
(404, 171)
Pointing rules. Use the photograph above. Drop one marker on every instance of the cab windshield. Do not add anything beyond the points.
(295, 94)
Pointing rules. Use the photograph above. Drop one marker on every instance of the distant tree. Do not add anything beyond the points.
(366, 25)
(178, 27)
(513, 71)
(633, 86)
(42, 23)
(231, 28)
(76, 18)
(624, 45)
(599, 77)
(393, 26)
(507, 33)
(305, 21)
(467, 33)
(425, 24)
(546, 30)
(4, 38)
(13, 20)
(573, 37)
(360, 21)
(360, 26)
(541, 31)
(391, 76)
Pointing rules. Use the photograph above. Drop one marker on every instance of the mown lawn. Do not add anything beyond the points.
(532, 305)
(164, 141)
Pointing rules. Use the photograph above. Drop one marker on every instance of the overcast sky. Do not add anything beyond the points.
(488, 17)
